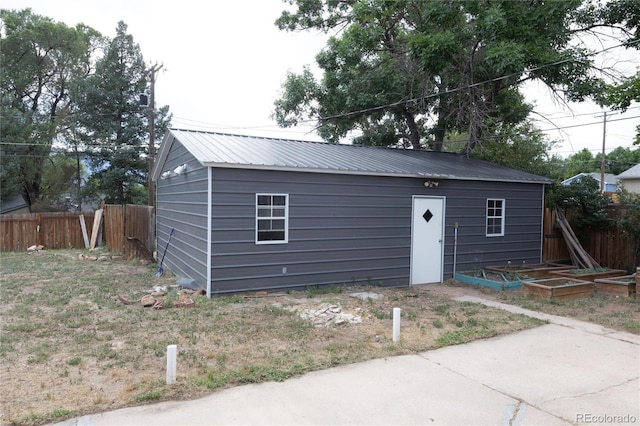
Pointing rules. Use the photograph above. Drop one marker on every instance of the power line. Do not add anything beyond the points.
(588, 124)
(470, 86)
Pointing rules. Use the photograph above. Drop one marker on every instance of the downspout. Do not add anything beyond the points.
(209, 251)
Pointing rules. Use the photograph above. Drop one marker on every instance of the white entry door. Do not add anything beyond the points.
(427, 240)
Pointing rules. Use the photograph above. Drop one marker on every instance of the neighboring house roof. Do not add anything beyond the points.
(236, 151)
(13, 204)
(609, 179)
(632, 173)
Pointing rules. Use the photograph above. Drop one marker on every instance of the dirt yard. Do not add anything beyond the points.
(70, 345)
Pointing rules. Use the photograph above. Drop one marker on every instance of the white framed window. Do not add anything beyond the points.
(495, 217)
(272, 218)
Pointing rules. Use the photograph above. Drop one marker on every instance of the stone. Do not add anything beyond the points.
(366, 295)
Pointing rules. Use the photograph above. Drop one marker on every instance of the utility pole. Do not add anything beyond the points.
(604, 143)
(602, 159)
(152, 128)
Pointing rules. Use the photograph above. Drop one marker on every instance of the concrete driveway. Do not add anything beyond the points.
(563, 373)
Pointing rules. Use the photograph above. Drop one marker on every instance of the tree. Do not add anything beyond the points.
(111, 123)
(584, 199)
(407, 73)
(58, 187)
(581, 162)
(521, 147)
(619, 160)
(40, 60)
(620, 95)
(629, 219)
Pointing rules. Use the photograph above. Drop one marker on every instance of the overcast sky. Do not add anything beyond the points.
(224, 63)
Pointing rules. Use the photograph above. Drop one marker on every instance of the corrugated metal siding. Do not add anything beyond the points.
(357, 229)
(182, 204)
(523, 226)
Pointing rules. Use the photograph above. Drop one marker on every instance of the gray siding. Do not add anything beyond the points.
(182, 204)
(349, 229)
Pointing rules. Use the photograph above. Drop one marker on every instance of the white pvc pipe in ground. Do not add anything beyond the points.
(396, 324)
(172, 351)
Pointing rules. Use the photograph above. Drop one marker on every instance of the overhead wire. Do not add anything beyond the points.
(415, 99)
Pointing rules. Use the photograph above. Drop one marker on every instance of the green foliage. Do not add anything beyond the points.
(616, 161)
(57, 184)
(581, 162)
(409, 73)
(52, 87)
(629, 218)
(315, 290)
(150, 395)
(620, 159)
(112, 124)
(521, 147)
(583, 198)
(40, 61)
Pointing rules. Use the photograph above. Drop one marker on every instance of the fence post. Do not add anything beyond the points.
(39, 230)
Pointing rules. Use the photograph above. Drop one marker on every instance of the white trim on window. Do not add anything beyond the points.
(272, 218)
(495, 214)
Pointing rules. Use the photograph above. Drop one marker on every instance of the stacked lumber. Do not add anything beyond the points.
(579, 256)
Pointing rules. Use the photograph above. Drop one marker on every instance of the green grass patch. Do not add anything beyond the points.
(74, 361)
(150, 395)
(316, 290)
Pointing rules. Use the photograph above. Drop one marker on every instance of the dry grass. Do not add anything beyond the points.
(68, 347)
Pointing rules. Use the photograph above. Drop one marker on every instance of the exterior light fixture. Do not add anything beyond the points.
(180, 170)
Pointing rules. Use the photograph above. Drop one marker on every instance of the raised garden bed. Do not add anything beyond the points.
(535, 271)
(590, 274)
(490, 279)
(616, 286)
(559, 288)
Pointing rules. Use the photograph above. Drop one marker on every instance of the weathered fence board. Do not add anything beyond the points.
(609, 247)
(554, 248)
(127, 230)
(113, 229)
(52, 230)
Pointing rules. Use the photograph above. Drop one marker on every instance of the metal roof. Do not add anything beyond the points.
(251, 152)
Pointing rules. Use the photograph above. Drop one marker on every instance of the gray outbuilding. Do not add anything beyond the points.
(252, 213)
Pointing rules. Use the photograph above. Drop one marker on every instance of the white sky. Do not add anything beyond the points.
(224, 63)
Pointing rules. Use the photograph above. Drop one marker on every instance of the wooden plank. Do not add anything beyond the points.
(573, 290)
(84, 231)
(97, 221)
(615, 289)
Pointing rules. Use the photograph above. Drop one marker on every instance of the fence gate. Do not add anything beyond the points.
(130, 229)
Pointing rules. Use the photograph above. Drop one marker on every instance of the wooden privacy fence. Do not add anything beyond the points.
(128, 230)
(609, 247)
(51, 230)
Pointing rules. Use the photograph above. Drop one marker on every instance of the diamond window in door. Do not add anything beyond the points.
(427, 215)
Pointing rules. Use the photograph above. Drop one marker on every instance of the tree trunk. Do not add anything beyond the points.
(31, 181)
(78, 180)
(414, 133)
